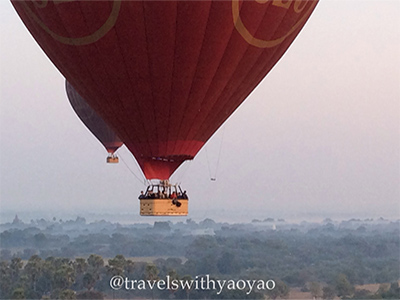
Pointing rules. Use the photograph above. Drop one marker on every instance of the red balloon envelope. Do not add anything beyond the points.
(92, 120)
(164, 74)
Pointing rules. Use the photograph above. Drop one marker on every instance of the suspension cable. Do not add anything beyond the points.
(214, 178)
(123, 160)
(208, 163)
(220, 151)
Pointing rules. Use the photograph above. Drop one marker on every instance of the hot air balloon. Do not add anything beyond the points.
(94, 123)
(164, 74)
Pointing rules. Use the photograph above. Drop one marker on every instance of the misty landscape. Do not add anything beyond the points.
(75, 259)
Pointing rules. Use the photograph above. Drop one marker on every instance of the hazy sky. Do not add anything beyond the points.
(319, 136)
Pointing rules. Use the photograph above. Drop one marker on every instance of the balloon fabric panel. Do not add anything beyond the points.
(92, 120)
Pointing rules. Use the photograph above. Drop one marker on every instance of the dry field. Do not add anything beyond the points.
(296, 293)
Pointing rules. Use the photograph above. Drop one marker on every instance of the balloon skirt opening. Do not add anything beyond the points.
(160, 168)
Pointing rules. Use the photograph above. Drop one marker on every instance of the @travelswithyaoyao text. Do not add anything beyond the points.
(203, 283)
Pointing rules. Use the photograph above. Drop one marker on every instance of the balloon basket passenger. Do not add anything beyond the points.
(163, 199)
(112, 158)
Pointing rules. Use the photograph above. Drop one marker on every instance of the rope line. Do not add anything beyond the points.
(213, 178)
(220, 151)
(123, 160)
(208, 163)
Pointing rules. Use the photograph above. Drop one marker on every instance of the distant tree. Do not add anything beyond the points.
(18, 293)
(166, 265)
(139, 270)
(40, 240)
(343, 287)
(16, 265)
(129, 266)
(116, 266)
(228, 263)
(33, 269)
(151, 273)
(6, 238)
(163, 226)
(90, 295)
(67, 294)
(80, 266)
(95, 264)
(207, 223)
(48, 271)
(328, 292)
(191, 224)
(189, 267)
(294, 279)
(393, 292)
(298, 277)
(161, 266)
(281, 290)
(89, 281)
(173, 275)
(6, 281)
(269, 220)
(64, 276)
(119, 243)
(385, 291)
(204, 251)
(80, 220)
(207, 264)
(315, 289)
(55, 293)
(361, 229)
